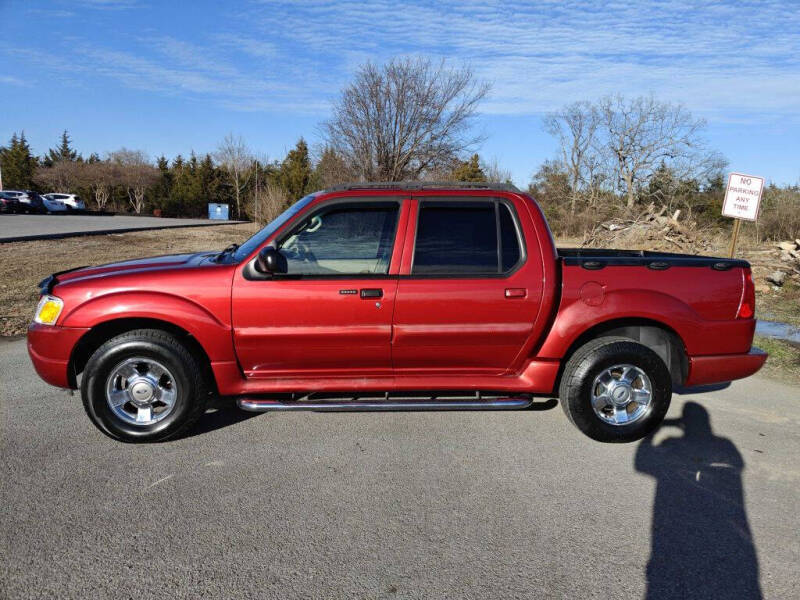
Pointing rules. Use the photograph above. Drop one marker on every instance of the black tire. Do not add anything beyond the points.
(591, 360)
(192, 388)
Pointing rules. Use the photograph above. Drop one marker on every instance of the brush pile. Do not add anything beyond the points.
(653, 229)
(790, 263)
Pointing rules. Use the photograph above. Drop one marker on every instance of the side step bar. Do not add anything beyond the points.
(355, 404)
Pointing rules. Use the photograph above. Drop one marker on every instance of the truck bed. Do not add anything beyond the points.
(697, 296)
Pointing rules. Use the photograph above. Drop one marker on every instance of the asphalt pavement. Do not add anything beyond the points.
(481, 505)
(19, 227)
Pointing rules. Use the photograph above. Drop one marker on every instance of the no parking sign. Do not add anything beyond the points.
(742, 199)
(743, 196)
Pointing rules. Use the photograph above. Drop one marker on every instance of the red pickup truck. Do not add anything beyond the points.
(396, 296)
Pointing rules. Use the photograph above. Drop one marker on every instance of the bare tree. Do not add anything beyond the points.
(100, 177)
(136, 174)
(494, 172)
(271, 201)
(404, 119)
(62, 177)
(575, 128)
(643, 133)
(237, 161)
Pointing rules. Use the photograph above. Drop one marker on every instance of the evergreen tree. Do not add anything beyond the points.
(469, 170)
(63, 152)
(662, 184)
(210, 183)
(168, 188)
(186, 197)
(330, 170)
(296, 171)
(18, 164)
(162, 189)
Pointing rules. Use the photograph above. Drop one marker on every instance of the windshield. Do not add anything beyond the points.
(259, 238)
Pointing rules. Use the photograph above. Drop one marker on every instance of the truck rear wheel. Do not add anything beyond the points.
(143, 386)
(615, 389)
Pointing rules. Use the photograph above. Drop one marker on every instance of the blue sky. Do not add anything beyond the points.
(169, 77)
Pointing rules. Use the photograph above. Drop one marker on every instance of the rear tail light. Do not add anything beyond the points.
(747, 308)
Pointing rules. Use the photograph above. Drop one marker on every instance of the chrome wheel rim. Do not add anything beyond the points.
(622, 395)
(141, 391)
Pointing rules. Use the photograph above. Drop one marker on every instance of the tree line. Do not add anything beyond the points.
(127, 180)
(412, 119)
(619, 156)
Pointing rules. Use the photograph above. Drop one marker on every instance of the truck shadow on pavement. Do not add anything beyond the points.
(218, 416)
(701, 545)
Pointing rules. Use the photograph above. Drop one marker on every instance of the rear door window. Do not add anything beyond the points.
(465, 238)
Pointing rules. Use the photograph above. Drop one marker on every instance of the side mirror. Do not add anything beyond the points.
(271, 261)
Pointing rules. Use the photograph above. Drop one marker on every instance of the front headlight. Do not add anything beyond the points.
(48, 310)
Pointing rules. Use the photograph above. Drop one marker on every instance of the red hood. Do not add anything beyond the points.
(169, 261)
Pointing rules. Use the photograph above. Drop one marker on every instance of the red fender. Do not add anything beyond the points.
(213, 335)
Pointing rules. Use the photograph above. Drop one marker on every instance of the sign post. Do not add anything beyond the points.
(742, 199)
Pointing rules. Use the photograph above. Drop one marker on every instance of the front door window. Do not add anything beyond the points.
(349, 239)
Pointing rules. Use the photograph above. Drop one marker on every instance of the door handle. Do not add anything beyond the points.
(369, 293)
(516, 292)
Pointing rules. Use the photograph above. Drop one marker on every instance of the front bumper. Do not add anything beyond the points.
(704, 370)
(50, 348)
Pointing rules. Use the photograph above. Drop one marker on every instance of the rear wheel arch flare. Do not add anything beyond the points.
(661, 338)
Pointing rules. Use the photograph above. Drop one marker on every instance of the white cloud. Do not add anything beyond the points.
(722, 59)
(11, 80)
(106, 4)
(724, 56)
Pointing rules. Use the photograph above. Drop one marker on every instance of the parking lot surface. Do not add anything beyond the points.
(20, 227)
(400, 505)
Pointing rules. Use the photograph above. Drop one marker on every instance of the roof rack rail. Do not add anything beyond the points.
(425, 185)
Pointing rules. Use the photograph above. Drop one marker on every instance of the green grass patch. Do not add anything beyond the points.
(784, 358)
(782, 305)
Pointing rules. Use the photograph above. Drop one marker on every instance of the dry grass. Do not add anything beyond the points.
(24, 264)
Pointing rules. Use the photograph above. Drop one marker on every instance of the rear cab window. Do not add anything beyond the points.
(466, 237)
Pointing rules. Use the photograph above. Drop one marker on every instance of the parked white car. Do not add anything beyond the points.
(72, 201)
(52, 205)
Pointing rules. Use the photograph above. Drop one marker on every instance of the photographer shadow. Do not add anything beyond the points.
(701, 542)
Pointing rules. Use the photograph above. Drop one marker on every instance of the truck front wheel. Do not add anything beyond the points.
(615, 389)
(143, 386)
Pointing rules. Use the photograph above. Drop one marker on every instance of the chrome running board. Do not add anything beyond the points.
(375, 404)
